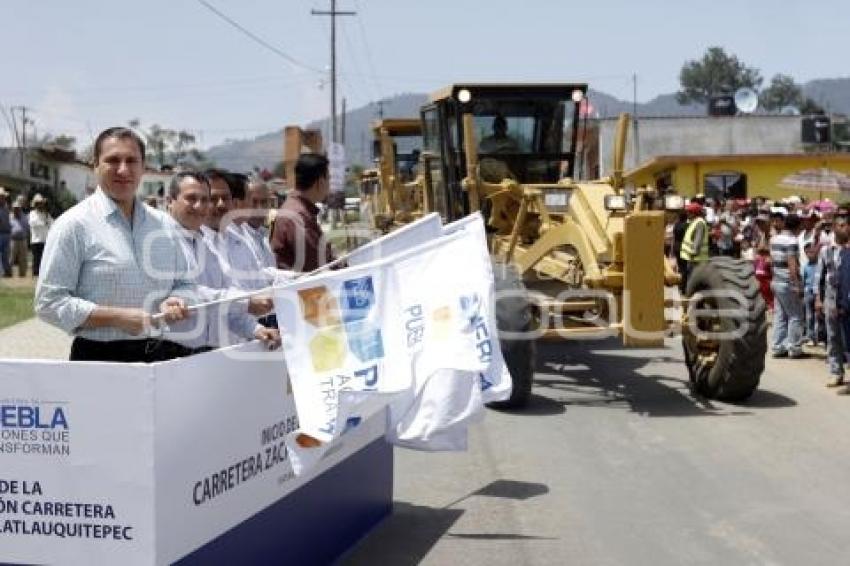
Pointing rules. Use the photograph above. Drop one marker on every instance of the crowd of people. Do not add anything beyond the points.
(123, 277)
(799, 250)
(23, 228)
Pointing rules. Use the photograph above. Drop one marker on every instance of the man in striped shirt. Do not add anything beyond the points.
(787, 289)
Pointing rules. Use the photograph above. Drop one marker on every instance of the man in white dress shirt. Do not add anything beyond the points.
(254, 214)
(189, 203)
(223, 230)
(105, 271)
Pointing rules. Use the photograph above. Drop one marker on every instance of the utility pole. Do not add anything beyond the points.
(380, 104)
(333, 13)
(22, 143)
(635, 120)
(342, 135)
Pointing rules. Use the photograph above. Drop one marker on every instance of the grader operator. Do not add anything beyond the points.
(578, 258)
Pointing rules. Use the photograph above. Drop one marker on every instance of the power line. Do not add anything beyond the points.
(292, 60)
(344, 77)
(231, 82)
(355, 61)
(369, 59)
(218, 95)
(333, 13)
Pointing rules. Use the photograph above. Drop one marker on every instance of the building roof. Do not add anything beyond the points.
(662, 161)
(705, 116)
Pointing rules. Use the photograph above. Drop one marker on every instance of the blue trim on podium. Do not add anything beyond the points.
(316, 523)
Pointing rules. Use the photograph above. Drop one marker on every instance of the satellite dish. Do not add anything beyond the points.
(746, 100)
(790, 111)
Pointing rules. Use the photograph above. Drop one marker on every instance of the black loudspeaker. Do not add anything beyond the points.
(723, 105)
(816, 129)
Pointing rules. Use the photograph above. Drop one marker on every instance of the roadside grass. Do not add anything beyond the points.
(15, 305)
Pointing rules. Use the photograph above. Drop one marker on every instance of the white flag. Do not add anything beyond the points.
(414, 331)
(435, 413)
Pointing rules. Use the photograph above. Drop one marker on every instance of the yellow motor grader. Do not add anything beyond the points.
(578, 258)
(390, 193)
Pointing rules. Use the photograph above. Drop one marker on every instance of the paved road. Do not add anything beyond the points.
(616, 463)
(33, 339)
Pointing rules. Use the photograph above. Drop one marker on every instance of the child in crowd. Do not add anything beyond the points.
(764, 274)
(812, 328)
(747, 251)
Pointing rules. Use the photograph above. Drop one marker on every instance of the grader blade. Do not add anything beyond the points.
(643, 297)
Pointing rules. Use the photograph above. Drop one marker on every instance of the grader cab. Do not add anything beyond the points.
(390, 194)
(578, 258)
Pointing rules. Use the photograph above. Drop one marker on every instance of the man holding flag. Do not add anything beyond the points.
(189, 200)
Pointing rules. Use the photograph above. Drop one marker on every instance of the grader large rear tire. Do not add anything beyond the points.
(513, 314)
(726, 367)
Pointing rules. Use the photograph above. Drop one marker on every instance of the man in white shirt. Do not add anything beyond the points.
(788, 290)
(189, 202)
(255, 212)
(223, 230)
(105, 269)
(40, 222)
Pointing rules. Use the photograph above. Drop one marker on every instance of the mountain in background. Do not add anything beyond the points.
(267, 150)
(832, 94)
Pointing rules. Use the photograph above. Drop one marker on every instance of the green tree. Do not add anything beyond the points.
(184, 141)
(716, 73)
(783, 91)
(810, 106)
(169, 147)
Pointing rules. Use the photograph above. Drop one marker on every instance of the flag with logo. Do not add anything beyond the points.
(446, 397)
(413, 331)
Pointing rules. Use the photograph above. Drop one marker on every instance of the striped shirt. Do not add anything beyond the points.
(95, 257)
(782, 247)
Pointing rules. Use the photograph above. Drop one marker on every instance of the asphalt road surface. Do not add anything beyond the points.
(615, 462)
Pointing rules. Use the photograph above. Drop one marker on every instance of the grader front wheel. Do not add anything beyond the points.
(725, 338)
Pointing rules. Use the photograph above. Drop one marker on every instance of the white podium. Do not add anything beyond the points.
(179, 462)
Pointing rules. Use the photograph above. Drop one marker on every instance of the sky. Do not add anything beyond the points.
(84, 65)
